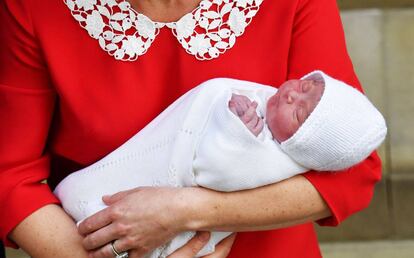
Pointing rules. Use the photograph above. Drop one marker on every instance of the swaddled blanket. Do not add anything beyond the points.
(197, 140)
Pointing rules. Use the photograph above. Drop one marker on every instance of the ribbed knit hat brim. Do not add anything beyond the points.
(343, 129)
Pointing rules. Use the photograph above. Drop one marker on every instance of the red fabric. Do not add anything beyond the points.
(63, 98)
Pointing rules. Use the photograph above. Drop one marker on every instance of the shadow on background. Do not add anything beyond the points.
(2, 254)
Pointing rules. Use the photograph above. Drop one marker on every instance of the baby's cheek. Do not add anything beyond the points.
(280, 125)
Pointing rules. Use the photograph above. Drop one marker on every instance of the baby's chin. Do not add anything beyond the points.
(281, 137)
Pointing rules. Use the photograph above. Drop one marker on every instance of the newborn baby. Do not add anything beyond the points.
(287, 110)
(230, 135)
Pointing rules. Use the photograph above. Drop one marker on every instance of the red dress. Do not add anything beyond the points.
(65, 103)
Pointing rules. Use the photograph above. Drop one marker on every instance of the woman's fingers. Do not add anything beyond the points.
(190, 249)
(100, 219)
(105, 216)
(107, 252)
(110, 199)
(223, 248)
(135, 254)
(101, 237)
(138, 220)
(96, 221)
(104, 252)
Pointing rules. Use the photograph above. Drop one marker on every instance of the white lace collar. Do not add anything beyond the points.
(208, 31)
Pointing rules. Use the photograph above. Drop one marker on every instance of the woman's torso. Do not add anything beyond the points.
(102, 102)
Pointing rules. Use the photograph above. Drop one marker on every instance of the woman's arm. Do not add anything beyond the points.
(287, 203)
(317, 42)
(143, 227)
(28, 211)
(290, 202)
(49, 232)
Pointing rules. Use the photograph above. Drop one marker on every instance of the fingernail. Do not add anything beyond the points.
(204, 236)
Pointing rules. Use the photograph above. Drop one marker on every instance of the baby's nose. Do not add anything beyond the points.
(291, 96)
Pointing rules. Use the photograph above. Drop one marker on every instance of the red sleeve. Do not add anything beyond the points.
(318, 43)
(26, 108)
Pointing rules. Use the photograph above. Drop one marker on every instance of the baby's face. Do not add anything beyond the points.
(288, 109)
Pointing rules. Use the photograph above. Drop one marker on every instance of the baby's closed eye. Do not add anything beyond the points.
(301, 115)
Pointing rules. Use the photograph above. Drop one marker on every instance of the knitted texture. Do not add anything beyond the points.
(230, 158)
(343, 129)
(197, 140)
(175, 150)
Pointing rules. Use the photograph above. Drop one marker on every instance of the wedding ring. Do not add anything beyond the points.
(117, 253)
(123, 255)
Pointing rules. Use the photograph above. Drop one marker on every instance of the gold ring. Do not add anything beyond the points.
(117, 253)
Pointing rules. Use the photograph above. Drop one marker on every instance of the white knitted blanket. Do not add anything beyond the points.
(197, 140)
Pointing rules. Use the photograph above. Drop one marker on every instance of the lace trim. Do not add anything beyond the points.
(208, 31)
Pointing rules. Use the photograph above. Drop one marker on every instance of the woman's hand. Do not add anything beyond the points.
(147, 217)
(138, 220)
(190, 249)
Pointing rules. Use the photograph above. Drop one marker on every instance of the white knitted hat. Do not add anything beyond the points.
(343, 129)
